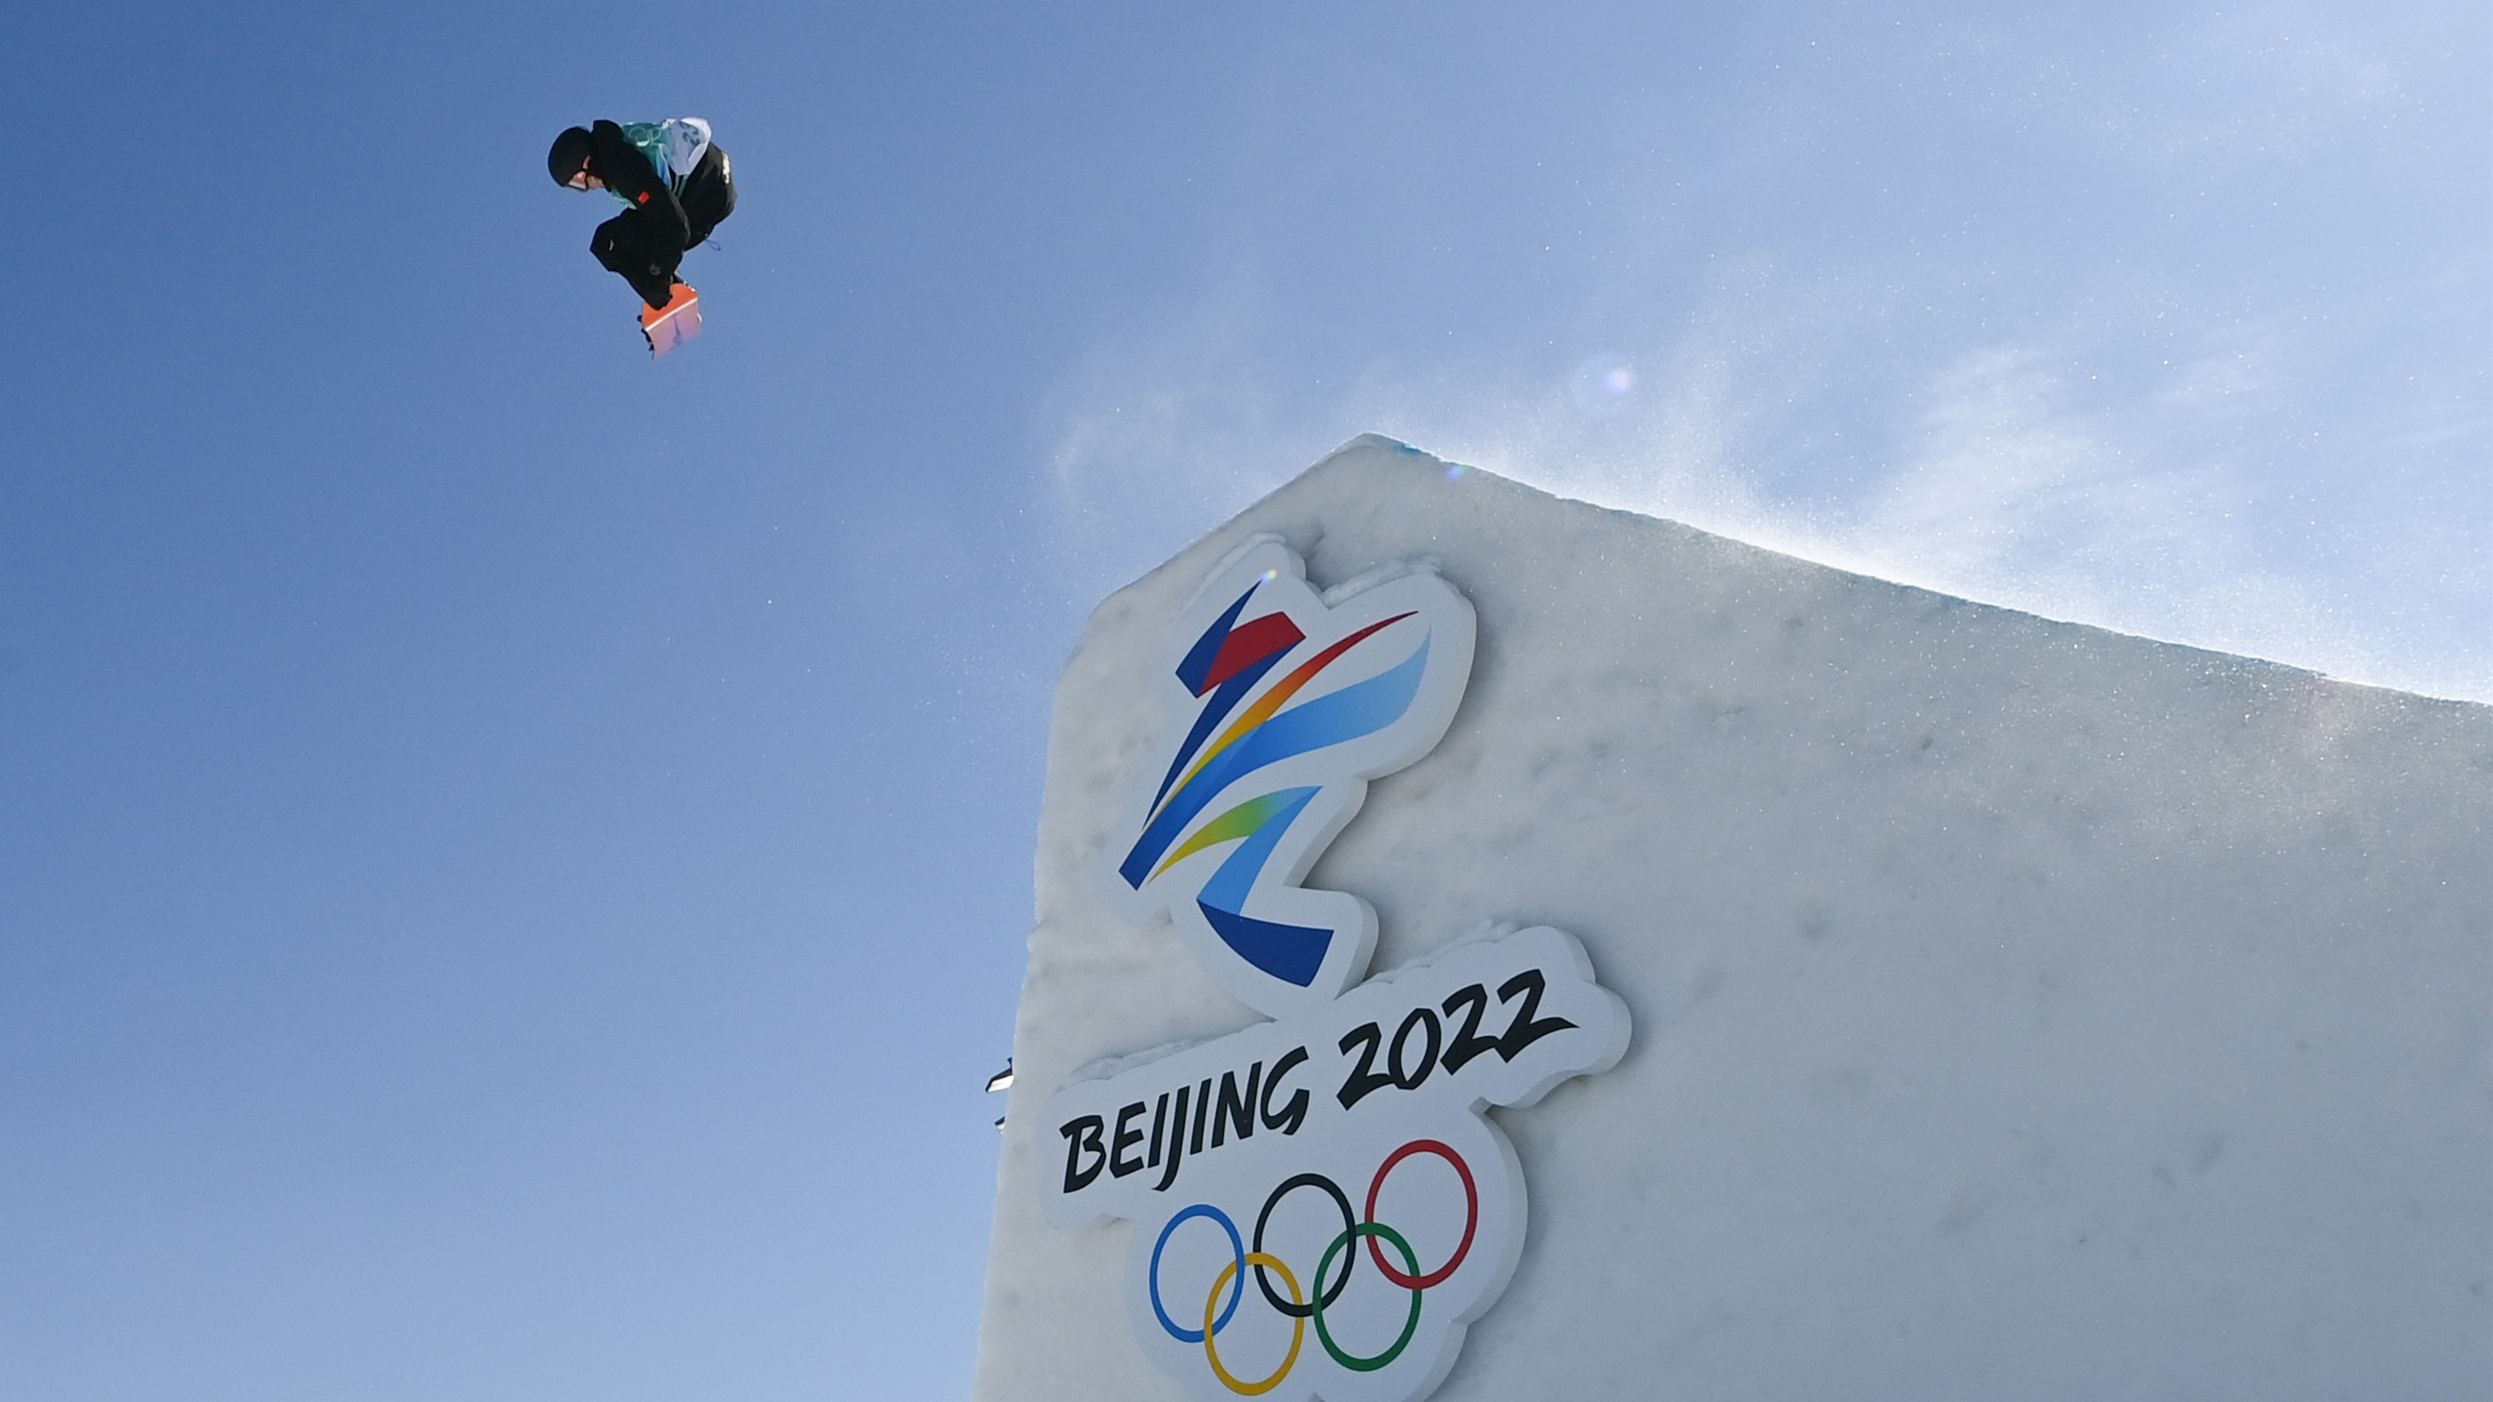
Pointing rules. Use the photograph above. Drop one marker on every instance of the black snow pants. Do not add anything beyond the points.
(642, 249)
(625, 247)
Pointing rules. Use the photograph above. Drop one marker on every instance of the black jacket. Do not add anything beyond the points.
(668, 225)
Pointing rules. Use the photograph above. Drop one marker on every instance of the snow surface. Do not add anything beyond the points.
(2022, 1009)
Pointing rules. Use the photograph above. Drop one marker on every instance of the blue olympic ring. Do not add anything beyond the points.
(1237, 1290)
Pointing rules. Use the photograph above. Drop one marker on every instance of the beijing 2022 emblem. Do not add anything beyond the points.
(1321, 1203)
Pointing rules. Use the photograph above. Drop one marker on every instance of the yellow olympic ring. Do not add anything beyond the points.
(1298, 1326)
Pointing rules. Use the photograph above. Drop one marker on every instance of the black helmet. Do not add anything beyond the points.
(571, 152)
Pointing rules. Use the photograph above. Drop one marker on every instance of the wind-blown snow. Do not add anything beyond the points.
(2023, 1010)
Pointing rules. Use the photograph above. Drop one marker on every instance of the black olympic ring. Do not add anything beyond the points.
(1349, 1224)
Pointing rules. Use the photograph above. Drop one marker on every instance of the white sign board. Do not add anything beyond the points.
(1321, 1204)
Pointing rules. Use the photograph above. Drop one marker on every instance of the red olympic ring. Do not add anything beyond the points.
(1471, 1219)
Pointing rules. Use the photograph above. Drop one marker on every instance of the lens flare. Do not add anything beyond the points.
(1602, 386)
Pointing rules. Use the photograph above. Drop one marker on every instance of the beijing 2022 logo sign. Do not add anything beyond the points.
(1321, 1204)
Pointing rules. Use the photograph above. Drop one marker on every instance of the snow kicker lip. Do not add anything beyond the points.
(1290, 707)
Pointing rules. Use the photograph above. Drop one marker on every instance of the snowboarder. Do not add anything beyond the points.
(676, 186)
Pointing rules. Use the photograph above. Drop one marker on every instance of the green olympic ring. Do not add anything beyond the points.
(1410, 1326)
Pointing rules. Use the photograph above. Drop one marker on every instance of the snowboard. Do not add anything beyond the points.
(672, 325)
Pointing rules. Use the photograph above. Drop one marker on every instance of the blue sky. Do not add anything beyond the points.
(514, 858)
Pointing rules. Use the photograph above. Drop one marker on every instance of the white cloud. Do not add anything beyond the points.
(2013, 493)
(2254, 435)
(2004, 480)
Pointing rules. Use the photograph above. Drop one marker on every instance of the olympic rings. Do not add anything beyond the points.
(1410, 1325)
(1294, 1309)
(1298, 1330)
(1237, 1247)
(1471, 1218)
(1300, 1307)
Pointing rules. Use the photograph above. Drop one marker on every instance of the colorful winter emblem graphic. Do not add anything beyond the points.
(1321, 1205)
(1289, 708)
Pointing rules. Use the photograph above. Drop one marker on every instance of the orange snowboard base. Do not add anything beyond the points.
(672, 325)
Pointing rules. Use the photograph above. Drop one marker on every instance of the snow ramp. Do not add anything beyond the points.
(2020, 1009)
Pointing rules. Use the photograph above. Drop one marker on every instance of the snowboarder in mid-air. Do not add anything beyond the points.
(676, 187)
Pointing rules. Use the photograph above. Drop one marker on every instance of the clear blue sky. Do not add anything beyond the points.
(514, 858)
